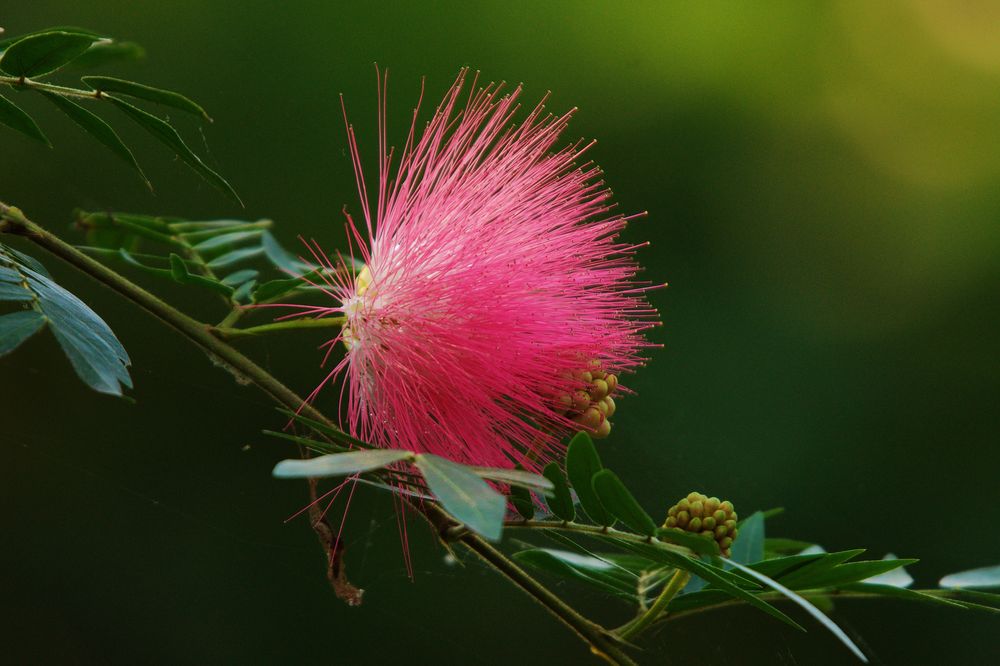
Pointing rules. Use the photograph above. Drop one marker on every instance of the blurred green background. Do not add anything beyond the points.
(822, 188)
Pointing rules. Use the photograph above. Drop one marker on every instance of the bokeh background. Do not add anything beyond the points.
(822, 188)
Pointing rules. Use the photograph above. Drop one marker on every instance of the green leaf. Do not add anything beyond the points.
(44, 53)
(984, 577)
(239, 277)
(582, 463)
(97, 128)
(813, 573)
(561, 500)
(17, 327)
(696, 542)
(242, 293)
(805, 605)
(749, 545)
(236, 256)
(785, 546)
(104, 52)
(515, 477)
(779, 566)
(283, 259)
(169, 98)
(227, 240)
(315, 445)
(170, 138)
(275, 288)
(89, 344)
(591, 570)
(896, 577)
(324, 429)
(615, 497)
(901, 593)
(180, 273)
(13, 117)
(464, 495)
(523, 504)
(6, 42)
(339, 464)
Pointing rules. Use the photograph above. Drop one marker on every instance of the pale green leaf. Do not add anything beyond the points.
(339, 464)
(464, 495)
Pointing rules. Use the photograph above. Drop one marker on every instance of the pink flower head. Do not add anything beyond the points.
(498, 304)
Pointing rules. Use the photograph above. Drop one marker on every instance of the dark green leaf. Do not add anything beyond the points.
(236, 256)
(169, 137)
(102, 53)
(901, 593)
(523, 504)
(180, 273)
(984, 577)
(590, 570)
(780, 566)
(515, 477)
(227, 240)
(561, 501)
(324, 429)
(283, 259)
(749, 545)
(239, 277)
(339, 464)
(275, 288)
(615, 497)
(169, 98)
(17, 327)
(898, 577)
(88, 342)
(582, 463)
(44, 53)
(464, 495)
(13, 117)
(242, 293)
(805, 605)
(696, 542)
(7, 41)
(785, 546)
(812, 573)
(97, 128)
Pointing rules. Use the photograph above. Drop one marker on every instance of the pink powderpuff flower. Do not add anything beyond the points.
(497, 305)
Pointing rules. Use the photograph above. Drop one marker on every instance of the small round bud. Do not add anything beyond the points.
(598, 389)
(585, 377)
(581, 400)
(590, 419)
(706, 516)
(610, 402)
(612, 381)
(564, 402)
(603, 430)
(602, 406)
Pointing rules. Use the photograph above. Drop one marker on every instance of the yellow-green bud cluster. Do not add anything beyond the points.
(707, 516)
(591, 407)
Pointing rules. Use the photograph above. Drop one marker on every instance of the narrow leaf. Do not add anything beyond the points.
(464, 495)
(13, 117)
(339, 464)
(227, 240)
(584, 568)
(170, 138)
(616, 498)
(239, 277)
(17, 327)
(148, 93)
(44, 53)
(805, 605)
(561, 501)
(582, 463)
(283, 259)
(984, 577)
(236, 256)
(97, 128)
(523, 504)
(896, 577)
(104, 52)
(749, 545)
(515, 477)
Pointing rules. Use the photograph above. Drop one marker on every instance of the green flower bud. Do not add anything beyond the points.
(590, 419)
(581, 400)
(612, 381)
(610, 402)
(603, 430)
(598, 389)
(706, 516)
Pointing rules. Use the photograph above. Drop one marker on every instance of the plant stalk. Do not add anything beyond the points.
(12, 220)
(644, 621)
